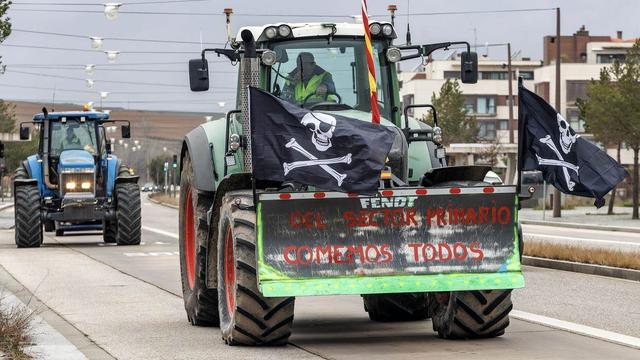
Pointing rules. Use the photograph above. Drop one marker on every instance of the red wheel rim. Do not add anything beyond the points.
(190, 240)
(229, 271)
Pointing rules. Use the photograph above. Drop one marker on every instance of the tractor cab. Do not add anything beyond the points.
(323, 67)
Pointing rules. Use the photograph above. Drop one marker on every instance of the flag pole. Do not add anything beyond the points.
(375, 113)
(521, 130)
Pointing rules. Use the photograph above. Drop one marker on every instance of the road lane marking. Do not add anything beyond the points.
(582, 239)
(161, 232)
(579, 329)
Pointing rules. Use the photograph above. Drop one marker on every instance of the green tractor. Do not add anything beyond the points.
(248, 248)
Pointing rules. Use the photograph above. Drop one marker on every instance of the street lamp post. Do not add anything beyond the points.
(556, 193)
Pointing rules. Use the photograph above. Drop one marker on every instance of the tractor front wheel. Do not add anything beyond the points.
(470, 314)
(109, 231)
(128, 215)
(397, 307)
(246, 317)
(27, 217)
(200, 302)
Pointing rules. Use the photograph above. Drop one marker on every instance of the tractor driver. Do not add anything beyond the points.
(71, 140)
(308, 82)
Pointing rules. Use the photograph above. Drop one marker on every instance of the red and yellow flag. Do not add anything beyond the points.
(375, 113)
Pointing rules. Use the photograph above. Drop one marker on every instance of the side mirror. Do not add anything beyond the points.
(126, 131)
(24, 133)
(199, 74)
(469, 67)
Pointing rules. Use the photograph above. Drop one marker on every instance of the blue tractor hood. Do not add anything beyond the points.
(74, 159)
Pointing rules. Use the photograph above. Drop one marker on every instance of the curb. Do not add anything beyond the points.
(162, 203)
(6, 206)
(580, 226)
(601, 270)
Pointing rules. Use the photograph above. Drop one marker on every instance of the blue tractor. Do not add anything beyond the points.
(74, 182)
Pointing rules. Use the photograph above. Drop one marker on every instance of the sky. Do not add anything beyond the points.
(164, 85)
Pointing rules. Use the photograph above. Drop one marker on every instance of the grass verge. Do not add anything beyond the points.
(15, 327)
(580, 254)
(165, 198)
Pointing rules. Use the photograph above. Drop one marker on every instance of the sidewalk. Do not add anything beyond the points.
(587, 216)
(47, 342)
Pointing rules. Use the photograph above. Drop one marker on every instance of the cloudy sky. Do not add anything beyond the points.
(152, 75)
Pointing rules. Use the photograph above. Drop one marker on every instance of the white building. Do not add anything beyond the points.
(487, 100)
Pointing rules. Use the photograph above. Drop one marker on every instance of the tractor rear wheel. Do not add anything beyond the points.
(109, 231)
(246, 317)
(397, 307)
(28, 223)
(128, 217)
(49, 226)
(470, 314)
(200, 302)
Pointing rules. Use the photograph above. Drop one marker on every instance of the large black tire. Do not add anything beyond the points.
(28, 233)
(49, 226)
(246, 317)
(470, 314)
(109, 231)
(200, 302)
(397, 307)
(128, 214)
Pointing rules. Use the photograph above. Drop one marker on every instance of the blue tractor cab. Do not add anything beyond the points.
(74, 182)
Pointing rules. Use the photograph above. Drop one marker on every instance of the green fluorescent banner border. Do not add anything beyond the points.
(391, 284)
(274, 284)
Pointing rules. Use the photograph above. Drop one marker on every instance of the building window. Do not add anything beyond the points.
(487, 130)
(486, 105)
(503, 124)
(406, 101)
(452, 74)
(526, 75)
(480, 105)
(576, 123)
(576, 89)
(609, 58)
(493, 75)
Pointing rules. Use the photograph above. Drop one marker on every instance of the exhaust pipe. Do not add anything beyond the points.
(45, 151)
(249, 76)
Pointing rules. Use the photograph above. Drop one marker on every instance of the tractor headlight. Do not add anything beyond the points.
(270, 32)
(393, 54)
(387, 30)
(269, 57)
(71, 185)
(85, 185)
(284, 30)
(437, 135)
(375, 29)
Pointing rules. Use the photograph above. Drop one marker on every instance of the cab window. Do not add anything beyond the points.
(311, 71)
(72, 135)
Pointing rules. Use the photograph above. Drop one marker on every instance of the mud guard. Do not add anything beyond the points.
(237, 181)
(127, 179)
(197, 143)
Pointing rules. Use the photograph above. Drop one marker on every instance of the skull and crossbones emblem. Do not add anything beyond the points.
(322, 127)
(566, 140)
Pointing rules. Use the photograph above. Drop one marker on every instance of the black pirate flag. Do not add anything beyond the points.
(572, 164)
(321, 149)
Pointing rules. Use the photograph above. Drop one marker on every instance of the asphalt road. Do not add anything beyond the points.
(618, 240)
(126, 300)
